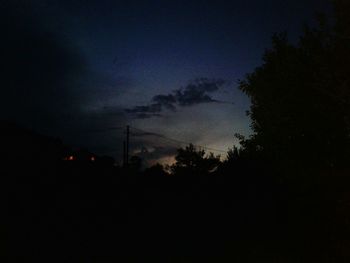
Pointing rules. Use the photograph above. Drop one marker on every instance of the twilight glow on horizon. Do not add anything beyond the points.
(169, 68)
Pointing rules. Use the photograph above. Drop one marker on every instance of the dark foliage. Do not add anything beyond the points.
(194, 162)
(56, 209)
(301, 98)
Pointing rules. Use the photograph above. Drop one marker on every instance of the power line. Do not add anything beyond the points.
(145, 133)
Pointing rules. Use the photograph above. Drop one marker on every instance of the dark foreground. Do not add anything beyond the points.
(85, 212)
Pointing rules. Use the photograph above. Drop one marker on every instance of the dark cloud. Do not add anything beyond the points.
(151, 155)
(196, 92)
(143, 133)
(147, 115)
(47, 84)
(167, 101)
(144, 112)
(192, 96)
(151, 146)
(39, 71)
(161, 102)
(153, 108)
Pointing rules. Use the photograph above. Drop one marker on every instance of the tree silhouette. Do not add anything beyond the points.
(233, 154)
(194, 162)
(300, 97)
(135, 164)
(155, 170)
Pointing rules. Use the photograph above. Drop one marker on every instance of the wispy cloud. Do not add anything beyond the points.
(197, 92)
(144, 112)
(167, 101)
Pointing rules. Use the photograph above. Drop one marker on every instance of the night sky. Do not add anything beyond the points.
(82, 70)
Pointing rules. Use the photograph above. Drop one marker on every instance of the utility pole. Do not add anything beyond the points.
(127, 145)
(124, 154)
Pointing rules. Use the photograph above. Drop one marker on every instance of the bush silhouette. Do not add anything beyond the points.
(189, 160)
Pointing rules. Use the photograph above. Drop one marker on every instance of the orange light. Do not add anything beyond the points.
(92, 158)
(71, 158)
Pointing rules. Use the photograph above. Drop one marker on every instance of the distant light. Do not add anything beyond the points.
(71, 158)
(92, 158)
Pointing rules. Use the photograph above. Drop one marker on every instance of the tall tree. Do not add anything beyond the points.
(300, 97)
(190, 161)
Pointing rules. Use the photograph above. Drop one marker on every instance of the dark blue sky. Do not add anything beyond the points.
(115, 56)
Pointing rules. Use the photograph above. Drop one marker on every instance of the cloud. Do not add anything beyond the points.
(194, 93)
(144, 112)
(197, 92)
(161, 102)
(153, 108)
(47, 83)
(143, 133)
(149, 147)
(166, 101)
(151, 155)
(40, 72)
